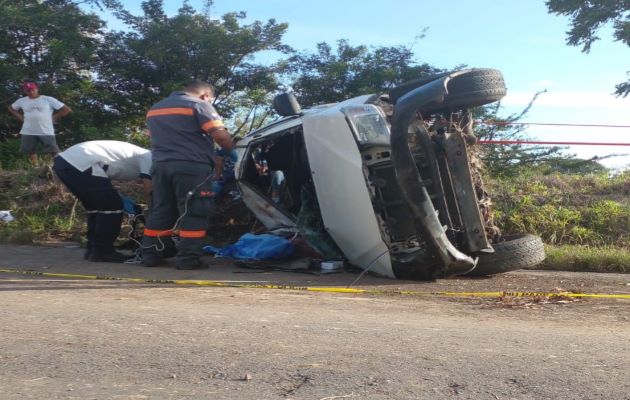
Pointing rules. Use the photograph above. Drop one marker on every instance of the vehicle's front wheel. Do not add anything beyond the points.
(511, 253)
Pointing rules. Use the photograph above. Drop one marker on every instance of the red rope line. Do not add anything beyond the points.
(554, 143)
(505, 123)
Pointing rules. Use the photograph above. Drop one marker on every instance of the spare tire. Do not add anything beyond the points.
(475, 88)
(511, 253)
(468, 88)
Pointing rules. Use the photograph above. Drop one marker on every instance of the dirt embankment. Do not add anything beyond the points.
(45, 211)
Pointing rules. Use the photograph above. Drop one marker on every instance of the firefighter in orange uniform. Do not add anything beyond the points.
(183, 128)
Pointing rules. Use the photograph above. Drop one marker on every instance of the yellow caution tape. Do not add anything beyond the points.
(624, 296)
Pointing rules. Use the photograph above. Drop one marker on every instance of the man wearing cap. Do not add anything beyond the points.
(183, 128)
(38, 113)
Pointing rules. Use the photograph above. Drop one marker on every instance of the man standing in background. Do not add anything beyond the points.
(38, 114)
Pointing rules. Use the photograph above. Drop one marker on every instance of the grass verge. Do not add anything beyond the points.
(586, 259)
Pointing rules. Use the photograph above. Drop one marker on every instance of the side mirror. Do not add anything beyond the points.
(285, 104)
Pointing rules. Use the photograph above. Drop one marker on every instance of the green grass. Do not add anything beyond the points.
(43, 210)
(584, 220)
(585, 258)
(591, 210)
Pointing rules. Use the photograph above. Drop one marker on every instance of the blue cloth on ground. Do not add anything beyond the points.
(255, 247)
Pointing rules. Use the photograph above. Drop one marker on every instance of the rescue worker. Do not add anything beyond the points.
(183, 129)
(87, 169)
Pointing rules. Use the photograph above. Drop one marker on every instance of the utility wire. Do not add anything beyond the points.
(553, 143)
(506, 123)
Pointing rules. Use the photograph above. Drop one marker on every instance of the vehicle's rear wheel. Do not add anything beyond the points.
(467, 89)
(475, 88)
(511, 253)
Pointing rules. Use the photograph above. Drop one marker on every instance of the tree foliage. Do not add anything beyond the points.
(328, 75)
(110, 78)
(52, 42)
(587, 17)
(161, 53)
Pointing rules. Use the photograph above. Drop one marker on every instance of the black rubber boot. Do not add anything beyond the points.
(89, 246)
(111, 256)
(148, 251)
(150, 262)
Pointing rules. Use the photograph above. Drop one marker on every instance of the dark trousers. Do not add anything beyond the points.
(182, 194)
(100, 200)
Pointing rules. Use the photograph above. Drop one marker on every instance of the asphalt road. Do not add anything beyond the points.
(80, 339)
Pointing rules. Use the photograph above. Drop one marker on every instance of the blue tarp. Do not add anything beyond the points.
(255, 247)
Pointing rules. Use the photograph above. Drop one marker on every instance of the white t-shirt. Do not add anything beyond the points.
(37, 114)
(110, 159)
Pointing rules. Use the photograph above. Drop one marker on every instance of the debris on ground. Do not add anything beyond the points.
(525, 300)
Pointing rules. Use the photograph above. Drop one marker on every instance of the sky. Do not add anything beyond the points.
(518, 37)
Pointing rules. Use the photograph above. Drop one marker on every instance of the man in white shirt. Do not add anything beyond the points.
(87, 169)
(38, 113)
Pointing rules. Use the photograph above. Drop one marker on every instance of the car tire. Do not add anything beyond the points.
(475, 88)
(511, 253)
(471, 88)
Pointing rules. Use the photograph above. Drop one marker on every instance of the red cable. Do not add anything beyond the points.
(555, 143)
(504, 123)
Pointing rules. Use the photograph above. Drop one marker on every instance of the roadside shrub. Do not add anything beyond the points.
(10, 156)
(565, 209)
(43, 210)
(609, 218)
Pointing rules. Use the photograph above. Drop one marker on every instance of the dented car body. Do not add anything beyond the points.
(385, 181)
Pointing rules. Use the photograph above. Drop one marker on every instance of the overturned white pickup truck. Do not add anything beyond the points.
(386, 180)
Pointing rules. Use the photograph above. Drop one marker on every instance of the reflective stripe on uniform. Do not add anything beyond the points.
(192, 234)
(171, 111)
(104, 211)
(157, 233)
(212, 124)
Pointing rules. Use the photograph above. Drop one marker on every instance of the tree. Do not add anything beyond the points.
(162, 53)
(52, 42)
(110, 79)
(508, 159)
(330, 76)
(587, 17)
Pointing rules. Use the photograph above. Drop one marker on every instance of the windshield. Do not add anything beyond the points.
(368, 124)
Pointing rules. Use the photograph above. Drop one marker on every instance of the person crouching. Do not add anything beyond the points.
(87, 170)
